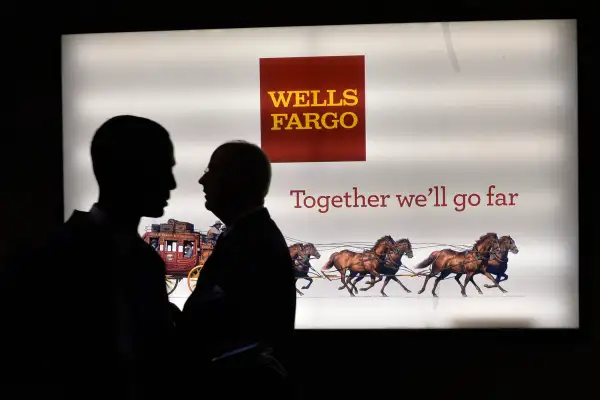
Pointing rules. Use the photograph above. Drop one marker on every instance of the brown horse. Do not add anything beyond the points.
(301, 254)
(447, 261)
(390, 266)
(497, 264)
(359, 263)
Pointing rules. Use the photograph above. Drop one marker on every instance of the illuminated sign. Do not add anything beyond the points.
(313, 109)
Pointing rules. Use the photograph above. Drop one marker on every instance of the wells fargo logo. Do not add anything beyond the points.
(313, 108)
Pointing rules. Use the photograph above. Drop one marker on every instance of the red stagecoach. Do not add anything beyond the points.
(183, 250)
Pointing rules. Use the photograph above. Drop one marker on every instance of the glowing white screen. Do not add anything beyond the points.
(486, 103)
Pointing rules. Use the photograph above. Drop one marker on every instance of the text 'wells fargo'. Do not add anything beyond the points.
(299, 120)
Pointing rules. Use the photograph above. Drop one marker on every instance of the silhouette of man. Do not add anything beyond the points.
(96, 321)
(241, 315)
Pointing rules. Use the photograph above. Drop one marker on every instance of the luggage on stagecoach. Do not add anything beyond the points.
(183, 227)
(167, 228)
(155, 228)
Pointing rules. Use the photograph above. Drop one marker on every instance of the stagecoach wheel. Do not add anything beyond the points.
(171, 283)
(193, 277)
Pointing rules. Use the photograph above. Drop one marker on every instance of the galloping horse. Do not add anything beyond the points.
(359, 263)
(498, 263)
(301, 254)
(390, 266)
(447, 261)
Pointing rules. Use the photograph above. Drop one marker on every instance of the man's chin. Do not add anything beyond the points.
(155, 213)
(210, 206)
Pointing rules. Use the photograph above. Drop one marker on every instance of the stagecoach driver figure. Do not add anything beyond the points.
(213, 233)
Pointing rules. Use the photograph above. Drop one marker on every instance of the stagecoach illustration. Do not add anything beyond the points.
(183, 249)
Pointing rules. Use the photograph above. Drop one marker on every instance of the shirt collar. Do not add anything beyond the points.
(100, 217)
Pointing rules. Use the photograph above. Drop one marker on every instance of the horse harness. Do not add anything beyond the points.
(302, 259)
(389, 263)
(478, 257)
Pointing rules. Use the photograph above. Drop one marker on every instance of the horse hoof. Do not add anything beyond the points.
(419, 292)
(480, 292)
(363, 289)
(384, 295)
(464, 295)
(435, 295)
(305, 287)
(408, 291)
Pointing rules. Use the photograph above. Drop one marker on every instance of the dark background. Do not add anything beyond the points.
(423, 364)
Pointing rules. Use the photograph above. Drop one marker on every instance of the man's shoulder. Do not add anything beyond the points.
(263, 233)
(56, 238)
(78, 237)
(259, 244)
(57, 247)
(78, 230)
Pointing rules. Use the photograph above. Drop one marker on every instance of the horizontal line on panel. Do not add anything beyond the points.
(415, 152)
(457, 97)
(208, 45)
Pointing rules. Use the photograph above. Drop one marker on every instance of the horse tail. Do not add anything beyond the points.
(329, 263)
(426, 262)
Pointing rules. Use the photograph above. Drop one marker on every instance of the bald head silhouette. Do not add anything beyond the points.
(133, 161)
(238, 178)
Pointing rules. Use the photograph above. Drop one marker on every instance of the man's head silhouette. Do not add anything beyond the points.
(133, 163)
(237, 179)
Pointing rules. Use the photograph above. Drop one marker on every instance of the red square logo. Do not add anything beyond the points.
(312, 109)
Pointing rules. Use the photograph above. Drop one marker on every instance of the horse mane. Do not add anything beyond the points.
(382, 239)
(401, 241)
(505, 241)
(485, 237)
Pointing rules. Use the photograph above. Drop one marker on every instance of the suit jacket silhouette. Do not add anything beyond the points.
(245, 294)
(93, 319)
